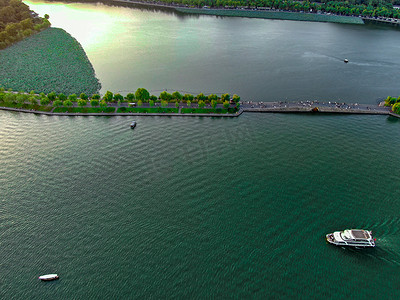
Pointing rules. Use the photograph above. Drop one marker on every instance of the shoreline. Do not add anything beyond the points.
(262, 107)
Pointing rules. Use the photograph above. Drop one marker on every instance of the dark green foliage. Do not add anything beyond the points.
(396, 108)
(108, 97)
(214, 97)
(68, 103)
(52, 96)
(201, 96)
(62, 97)
(72, 97)
(82, 102)
(45, 101)
(94, 102)
(177, 96)
(57, 103)
(189, 97)
(83, 96)
(225, 97)
(235, 98)
(96, 96)
(130, 97)
(165, 96)
(142, 94)
(118, 97)
(49, 61)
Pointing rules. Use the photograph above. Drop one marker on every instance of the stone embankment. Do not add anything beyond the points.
(253, 107)
(316, 107)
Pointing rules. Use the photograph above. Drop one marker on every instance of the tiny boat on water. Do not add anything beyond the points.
(351, 237)
(48, 277)
(133, 124)
(346, 60)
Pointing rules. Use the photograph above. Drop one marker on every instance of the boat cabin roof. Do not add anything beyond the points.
(360, 234)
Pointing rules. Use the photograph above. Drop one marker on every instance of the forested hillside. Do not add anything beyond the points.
(17, 21)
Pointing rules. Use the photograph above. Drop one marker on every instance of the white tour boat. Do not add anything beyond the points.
(351, 237)
(49, 277)
(133, 124)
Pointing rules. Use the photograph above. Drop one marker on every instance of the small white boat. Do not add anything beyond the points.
(49, 277)
(346, 60)
(351, 237)
(133, 124)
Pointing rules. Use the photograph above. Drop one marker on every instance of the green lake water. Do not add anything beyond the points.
(198, 207)
(207, 207)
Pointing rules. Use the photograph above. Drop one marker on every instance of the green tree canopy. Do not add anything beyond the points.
(108, 96)
(213, 97)
(52, 96)
(94, 102)
(188, 97)
(57, 103)
(130, 97)
(396, 108)
(83, 96)
(235, 98)
(72, 97)
(67, 103)
(118, 97)
(62, 97)
(177, 96)
(201, 96)
(45, 101)
(142, 94)
(82, 102)
(103, 104)
(165, 96)
(225, 97)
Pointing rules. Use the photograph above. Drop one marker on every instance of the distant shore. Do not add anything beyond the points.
(260, 13)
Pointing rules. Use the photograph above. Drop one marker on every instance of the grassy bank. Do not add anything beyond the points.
(51, 60)
(86, 110)
(206, 111)
(294, 16)
(147, 110)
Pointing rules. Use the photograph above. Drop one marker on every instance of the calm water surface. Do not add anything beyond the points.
(198, 207)
(266, 60)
